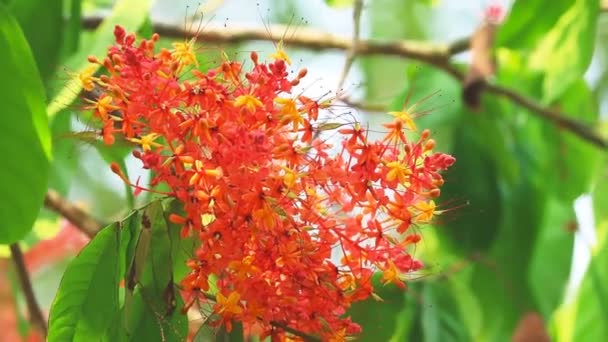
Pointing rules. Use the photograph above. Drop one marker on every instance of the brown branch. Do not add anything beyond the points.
(36, 317)
(560, 119)
(437, 55)
(78, 217)
(306, 38)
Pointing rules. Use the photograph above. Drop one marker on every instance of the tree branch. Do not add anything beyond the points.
(78, 217)
(306, 38)
(559, 118)
(437, 55)
(36, 317)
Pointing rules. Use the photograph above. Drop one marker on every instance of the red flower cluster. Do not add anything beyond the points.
(291, 229)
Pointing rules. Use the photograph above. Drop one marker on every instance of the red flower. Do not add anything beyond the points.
(269, 201)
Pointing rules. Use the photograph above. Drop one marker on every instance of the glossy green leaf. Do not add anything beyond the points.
(87, 301)
(565, 52)
(42, 25)
(523, 27)
(130, 14)
(25, 142)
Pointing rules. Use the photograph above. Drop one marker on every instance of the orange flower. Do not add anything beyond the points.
(269, 202)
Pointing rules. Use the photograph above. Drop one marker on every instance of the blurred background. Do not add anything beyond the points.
(519, 252)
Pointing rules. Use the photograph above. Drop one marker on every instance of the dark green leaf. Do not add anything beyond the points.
(25, 143)
(87, 300)
(500, 277)
(234, 335)
(42, 25)
(72, 28)
(474, 179)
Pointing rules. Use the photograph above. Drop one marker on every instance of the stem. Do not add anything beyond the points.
(36, 317)
(78, 217)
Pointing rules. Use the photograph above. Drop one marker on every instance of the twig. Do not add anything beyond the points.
(36, 317)
(560, 119)
(78, 217)
(368, 107)
(303, 335)
(437, 55)
(307, 38)
(352, 52)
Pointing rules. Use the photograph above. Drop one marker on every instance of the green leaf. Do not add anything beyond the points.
(386, 320)
(235, 334)
(25, 143)
(154, 314)
(72, 28)
(474, 179)
(578, 318)
(574, 162)
(42, 25)
(441, 320)
(130, 14)
(500, 277)
(87, 299)
(182, 249)
(340, 3)
(550, 264)
(523, 27)
(565, 52)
